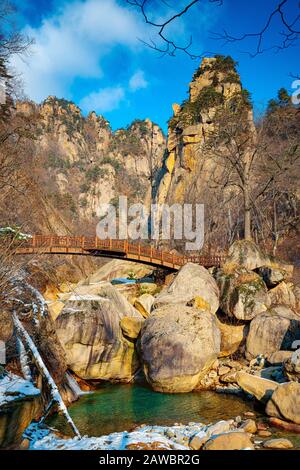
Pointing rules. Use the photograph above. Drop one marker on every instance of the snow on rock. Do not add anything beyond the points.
(175, 437)
(14, 388)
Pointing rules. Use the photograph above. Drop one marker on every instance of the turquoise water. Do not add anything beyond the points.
(115, 408)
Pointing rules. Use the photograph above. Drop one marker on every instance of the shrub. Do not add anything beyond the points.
(191, 111)
(83, 202)
(94, 173)
(56, 161)
(110, 161)
(84, 188)
(222, 64)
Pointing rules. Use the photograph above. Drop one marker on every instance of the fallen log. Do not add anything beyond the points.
(55, 395)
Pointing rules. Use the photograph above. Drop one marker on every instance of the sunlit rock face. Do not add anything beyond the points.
(90, 331)
(86, 163)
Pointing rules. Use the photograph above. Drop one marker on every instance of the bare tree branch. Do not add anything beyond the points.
(290, 32)
(171, 47)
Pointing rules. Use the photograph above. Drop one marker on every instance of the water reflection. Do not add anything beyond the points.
(121, 407)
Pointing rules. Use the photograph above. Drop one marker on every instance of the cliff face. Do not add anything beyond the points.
(190, 173)
(81, 163)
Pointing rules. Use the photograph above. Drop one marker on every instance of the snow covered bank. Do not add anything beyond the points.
(14, 388)
(177, 437)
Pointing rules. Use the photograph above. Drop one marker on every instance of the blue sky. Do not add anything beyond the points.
(88, 51)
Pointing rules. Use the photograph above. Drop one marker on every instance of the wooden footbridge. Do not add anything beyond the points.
(121, 249)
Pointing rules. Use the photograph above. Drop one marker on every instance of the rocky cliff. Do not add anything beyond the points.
(82, 163)
(190, 172)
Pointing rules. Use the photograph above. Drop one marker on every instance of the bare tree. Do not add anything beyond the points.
(288, 29)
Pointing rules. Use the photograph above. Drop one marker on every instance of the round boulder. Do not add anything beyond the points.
(285, 402)
(178, 345)
(243, 294)
(272, 331)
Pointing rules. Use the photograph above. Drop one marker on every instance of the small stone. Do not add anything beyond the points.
(229, 441)
(219, 428)
(249, 414)
(212, 374)
(235, 365)
(278, 444)
(238, 419)
(198, 441)
(230, 377)
(264, 433)
(262, 427)
(223, 370)
(25, 444)
(249, 426)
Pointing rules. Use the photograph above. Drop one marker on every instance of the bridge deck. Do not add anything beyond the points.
(93, 246)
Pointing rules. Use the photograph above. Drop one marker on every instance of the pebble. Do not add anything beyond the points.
(235, 365)
(223, 370)
(213, 374)
(249, 426)
(264, 433)
(249, 414)
(262, 426)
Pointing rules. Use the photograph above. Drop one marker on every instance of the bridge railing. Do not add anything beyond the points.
(50, 242)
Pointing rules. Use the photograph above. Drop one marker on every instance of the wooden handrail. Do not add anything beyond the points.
(94, 245)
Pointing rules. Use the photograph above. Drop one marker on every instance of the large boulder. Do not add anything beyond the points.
(260, 388)
(292, 366)
(245, 253)
(193, 284)
(178, 345)
(243, 294)
(89, 329)
(233, 336)
(272, 331)
(279, 357)
(285, 402)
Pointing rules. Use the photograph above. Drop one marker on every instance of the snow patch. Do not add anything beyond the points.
(13, 387)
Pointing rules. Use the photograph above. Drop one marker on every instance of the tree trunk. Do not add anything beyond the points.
(247, 215)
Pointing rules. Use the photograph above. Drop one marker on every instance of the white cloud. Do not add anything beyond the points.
(104, 100)
(138, 81)
(73, 43)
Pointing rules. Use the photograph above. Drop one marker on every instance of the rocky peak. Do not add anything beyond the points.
(214, 83)
(188, 169)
